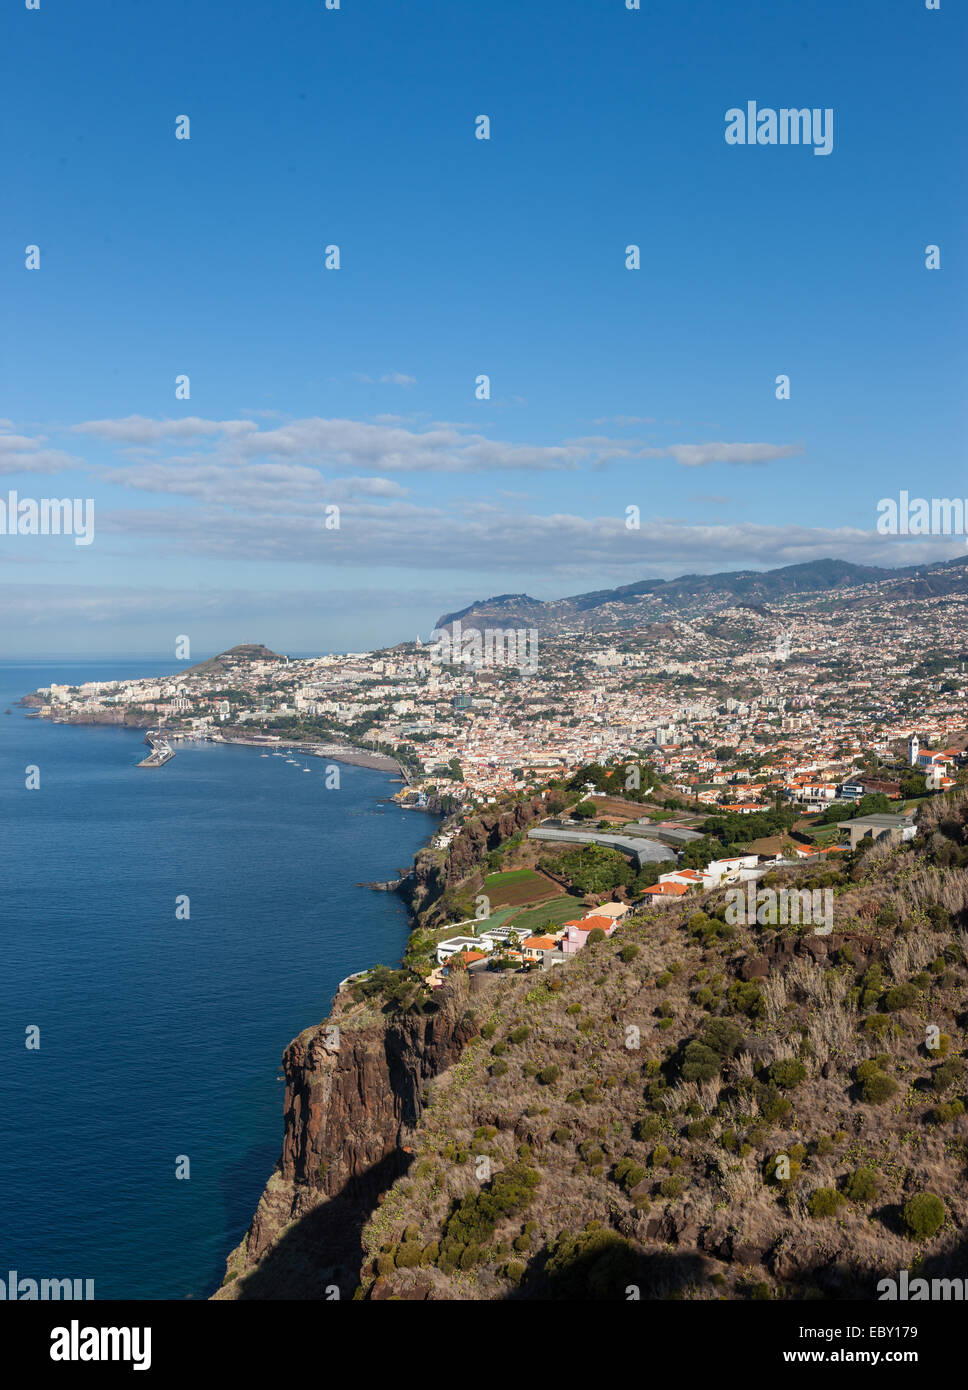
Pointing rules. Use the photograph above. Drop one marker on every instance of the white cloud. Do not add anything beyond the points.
(21, 454)
(139, 429)
(698, 455)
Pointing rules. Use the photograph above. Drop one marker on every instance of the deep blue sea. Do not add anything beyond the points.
(162, 1037)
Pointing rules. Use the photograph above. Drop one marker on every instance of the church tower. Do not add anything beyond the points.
(913, 746)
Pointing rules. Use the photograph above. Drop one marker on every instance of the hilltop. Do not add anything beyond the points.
(235, 656)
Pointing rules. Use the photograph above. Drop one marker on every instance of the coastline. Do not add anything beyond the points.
(348, 753)
(364, 930)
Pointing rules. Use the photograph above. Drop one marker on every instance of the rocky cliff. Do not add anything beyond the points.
(437, 871)
(353, 1096)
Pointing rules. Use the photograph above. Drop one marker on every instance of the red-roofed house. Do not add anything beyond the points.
(666, 891)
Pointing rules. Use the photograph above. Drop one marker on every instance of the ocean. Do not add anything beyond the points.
(160, 1036)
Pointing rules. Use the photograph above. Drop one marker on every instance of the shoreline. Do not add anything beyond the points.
(348, 753)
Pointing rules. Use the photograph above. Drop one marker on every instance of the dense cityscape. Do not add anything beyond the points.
(730, 708)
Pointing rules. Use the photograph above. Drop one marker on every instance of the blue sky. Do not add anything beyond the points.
(355, 387)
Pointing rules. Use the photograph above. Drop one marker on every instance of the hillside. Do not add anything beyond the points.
(777, 1126)
(653, 600)
(235, 656)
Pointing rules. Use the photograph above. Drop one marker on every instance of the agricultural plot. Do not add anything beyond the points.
(534, 920)
(517, 887)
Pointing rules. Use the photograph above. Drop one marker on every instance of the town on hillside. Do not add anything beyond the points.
(665, 759)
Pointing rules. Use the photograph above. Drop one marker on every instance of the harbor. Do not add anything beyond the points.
(161, 750)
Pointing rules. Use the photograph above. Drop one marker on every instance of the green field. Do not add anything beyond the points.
(518, 886)
(496, 919)
(535, 920)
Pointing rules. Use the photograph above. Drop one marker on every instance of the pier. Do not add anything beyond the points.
(161, 751)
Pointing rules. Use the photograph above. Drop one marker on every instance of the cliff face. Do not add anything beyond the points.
(434, 872)
(353, 1088)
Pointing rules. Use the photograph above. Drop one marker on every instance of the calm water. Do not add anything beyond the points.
(162, 1037)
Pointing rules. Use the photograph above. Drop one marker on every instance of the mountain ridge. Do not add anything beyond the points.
(650, 600)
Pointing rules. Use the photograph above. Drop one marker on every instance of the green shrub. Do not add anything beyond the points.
(628, 953)
(924, 1215)
(874, 1065)
(499, 1068)
(472, 1221)
(597, 1264)
(787, 1073)
(825, 1201)
(407, 1255)
(548, 1075)
(514, 1270)
(774, 1106)
(518, 1035)
(648, 1128)
(779, 1164)
(946, 1074)
(878, 1088)
(872, 987)
(724, 1036)
(947, 1111)
(745, 998)
(671, 1187)
(561, 1135)
(700, 1063)
(900, 997)
(862, 1185)
(628, 1173)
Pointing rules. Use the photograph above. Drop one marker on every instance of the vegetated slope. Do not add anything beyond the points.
(649, 600)
(708, 1110)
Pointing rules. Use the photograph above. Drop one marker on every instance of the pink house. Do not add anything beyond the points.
(577, 933)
